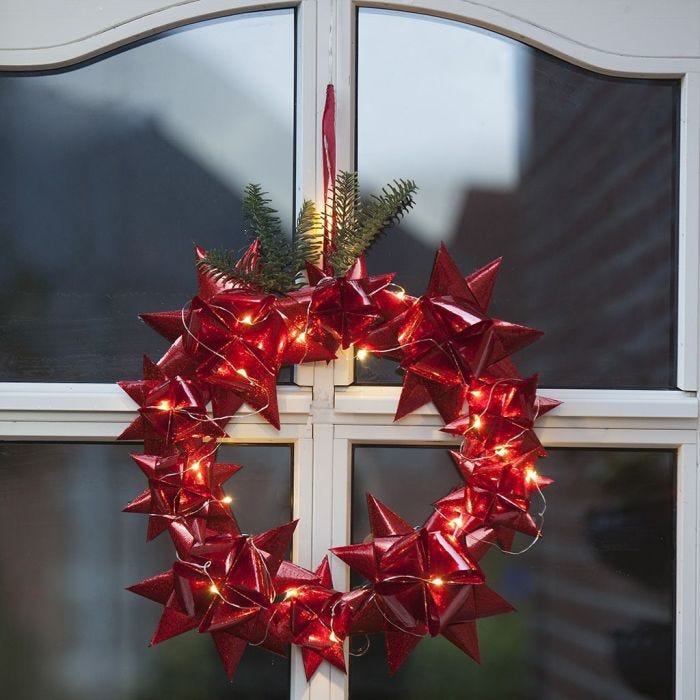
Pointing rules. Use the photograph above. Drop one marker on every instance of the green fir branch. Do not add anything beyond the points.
(307, 241)
(356, 225)
(281, 260)
(263, 223)
(362, 223)
(221, 265)
(346, 206)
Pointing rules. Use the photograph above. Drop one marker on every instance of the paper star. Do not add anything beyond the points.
(225, 588)
(239, 339)
(187, 489)
(172, 414)
(500, 410)
(307, 341)
(420, 579)
(498, 493)
(344, 306)
(447, 338)
(318, 616)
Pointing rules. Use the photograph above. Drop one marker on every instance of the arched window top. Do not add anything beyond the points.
(598, 34)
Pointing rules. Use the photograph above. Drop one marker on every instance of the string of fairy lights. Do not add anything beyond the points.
(226, 352)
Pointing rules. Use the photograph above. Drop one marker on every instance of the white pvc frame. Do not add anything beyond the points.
(323, 416)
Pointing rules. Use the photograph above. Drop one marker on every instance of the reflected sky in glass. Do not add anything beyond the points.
(218, 90)
(568, 175)
(114, 169)
(447, 135)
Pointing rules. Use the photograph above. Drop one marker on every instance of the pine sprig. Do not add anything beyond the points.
(346, 205)
(359, 224)
(307, 241)
(263, 223)
(222, 265)
(281, 260)
(355, 225)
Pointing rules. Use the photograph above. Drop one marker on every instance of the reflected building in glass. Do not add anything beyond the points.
(568, 175)
(594, 598)
(69, 629)
(113, 170)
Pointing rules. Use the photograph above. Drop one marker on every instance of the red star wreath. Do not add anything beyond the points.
(255, 312)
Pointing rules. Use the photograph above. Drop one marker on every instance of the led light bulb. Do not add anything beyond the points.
(501, 450)
(213, 589)
(437, 581)
(457, 522)
(530, 475)
(476, 422)
(227, 500)
(242, 372)
(247, 319)
(291, 593)
(362, 354)
(301, 337)
(196, 466)
(164, 405)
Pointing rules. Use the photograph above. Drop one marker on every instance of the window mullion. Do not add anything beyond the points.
(326, 55)
(688, 232)
(687, 522)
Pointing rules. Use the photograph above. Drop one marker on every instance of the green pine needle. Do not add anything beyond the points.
(307, 241)
(281, 260)
(263, 223)
(357, 226)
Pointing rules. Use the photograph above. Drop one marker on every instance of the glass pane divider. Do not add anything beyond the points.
(687, 613)
(302, 501)
(612, 403)
(341, 534)
(560, 437)
(105, 431)
(101, 398)
(344, 367)
(688, 231)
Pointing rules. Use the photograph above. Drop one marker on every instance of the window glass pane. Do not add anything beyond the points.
(567, 174)
(594, 597)
(112, 170)
(68, 629)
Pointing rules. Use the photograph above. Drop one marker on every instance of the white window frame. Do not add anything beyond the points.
(324, 416)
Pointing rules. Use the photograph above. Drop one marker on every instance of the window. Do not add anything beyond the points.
(572, 151)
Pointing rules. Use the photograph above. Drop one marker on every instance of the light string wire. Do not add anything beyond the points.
(204, 568)
(245, 320)
(450, 354)
(235, 369)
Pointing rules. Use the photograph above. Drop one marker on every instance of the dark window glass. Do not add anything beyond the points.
(112, 170)
(567, 174)
(68, 629)
(594, 597)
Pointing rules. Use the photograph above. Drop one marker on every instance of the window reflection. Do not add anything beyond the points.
(112, 170)
(68, 628)
(569, 175)
(594, 597)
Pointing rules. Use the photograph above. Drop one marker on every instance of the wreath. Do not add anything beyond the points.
(271, 306)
